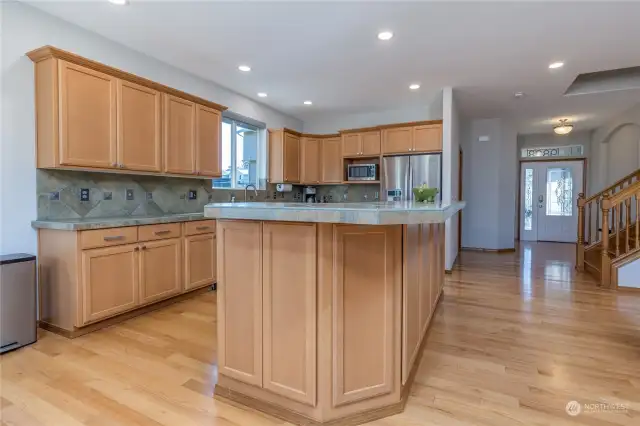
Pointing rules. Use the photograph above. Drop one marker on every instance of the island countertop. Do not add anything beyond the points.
(375, 213)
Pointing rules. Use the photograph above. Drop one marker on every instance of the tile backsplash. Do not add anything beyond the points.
(118, 195)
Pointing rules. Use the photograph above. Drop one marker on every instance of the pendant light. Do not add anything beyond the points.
(563, 128)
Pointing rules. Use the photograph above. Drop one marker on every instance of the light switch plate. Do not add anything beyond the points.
(149, 196)
(54, 196)
(129, 194)
(193, 194)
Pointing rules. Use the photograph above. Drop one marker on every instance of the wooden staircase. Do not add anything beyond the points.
(609, 229)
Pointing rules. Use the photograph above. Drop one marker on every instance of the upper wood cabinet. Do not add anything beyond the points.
(310, 161)
(208, 160)
(365, 144)
(284, 156)
(332, 164)
(87, 117)
(179, 135)
(92, 116)
(410, 139)
(139, 127)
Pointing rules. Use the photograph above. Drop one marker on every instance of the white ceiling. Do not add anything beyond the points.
(328, 52)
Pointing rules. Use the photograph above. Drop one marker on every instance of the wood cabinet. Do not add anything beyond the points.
(110, 281)
(87, 117)
(284, 156)
(310, 161)
(332, 164)
(139, 127)
(410, 139)
(240, 300)
(94, 117)
(289, 310)
(160, 269)
(361, 144)
(200, 260)
(208, 144)
(179, 135)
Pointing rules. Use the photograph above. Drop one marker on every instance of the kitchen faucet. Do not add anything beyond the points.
(254, 190)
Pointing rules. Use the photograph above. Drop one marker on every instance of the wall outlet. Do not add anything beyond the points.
(84, 194)
(129, 194)
(107, 195)
(193, 194)
(54, 196)
(149, 196)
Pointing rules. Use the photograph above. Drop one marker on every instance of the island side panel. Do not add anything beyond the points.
(411, 290)
(240, 300)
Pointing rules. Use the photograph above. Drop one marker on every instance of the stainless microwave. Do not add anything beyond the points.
(362, 172)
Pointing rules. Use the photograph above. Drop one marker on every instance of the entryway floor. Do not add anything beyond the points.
(516, 337)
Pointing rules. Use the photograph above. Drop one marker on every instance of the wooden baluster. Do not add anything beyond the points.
(614, 219)
(617, 211)
(637, 221)
(621, 208)
(627, 227)
(580, 245)
(589, 224)
(605, 267)
(598, 212)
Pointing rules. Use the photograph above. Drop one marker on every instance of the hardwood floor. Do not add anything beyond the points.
(516, 337)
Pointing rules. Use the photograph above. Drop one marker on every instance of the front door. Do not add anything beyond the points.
(549, 192)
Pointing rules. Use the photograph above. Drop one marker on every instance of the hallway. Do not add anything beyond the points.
(516, 337)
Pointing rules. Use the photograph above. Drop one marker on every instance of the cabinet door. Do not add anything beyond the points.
(427, 138)
(110, 281)
(289, 308)
(426, 280)
(199, 261)
(332, 164)
(179, 135)
(139, 142)
(291, 160)
(240, 300)
(87, 117)
(397, 140)
(160, 269)
(351, 144)
(310, 160)
(208, 142)
(371, 143)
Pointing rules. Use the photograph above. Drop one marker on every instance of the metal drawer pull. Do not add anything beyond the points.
(202, 228)
(115, 238)
(166, 231)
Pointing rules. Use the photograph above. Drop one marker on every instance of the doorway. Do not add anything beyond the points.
(549, 190)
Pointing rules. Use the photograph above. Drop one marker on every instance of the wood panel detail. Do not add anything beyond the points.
(200, 260)
(179, 135)
(332, 165)
(208, 145)
(310, 160)
(160, 269)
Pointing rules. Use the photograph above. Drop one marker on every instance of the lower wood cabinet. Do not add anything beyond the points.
(110, 281)
(199, 260)
(160, 269)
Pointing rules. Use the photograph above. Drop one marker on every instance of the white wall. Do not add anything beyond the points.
(489, 184)
(629, 275)
(450, 169)
(24, 28)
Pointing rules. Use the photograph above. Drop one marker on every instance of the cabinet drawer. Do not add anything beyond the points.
(200, 227)
(108, 237)
(158, 232)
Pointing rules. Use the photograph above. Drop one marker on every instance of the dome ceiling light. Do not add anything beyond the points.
(563, 128)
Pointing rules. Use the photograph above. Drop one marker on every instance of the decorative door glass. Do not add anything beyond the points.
(559, 192)
(528, 199)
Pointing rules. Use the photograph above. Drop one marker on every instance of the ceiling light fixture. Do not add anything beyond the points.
(519, 95)
(119, 2)
(556, 65)
(262, 95)
(308, 103)
(563, 128)
(385, 35)
(244, 68)
(414, 86)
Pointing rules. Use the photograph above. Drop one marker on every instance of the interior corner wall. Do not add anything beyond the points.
(450, 170)
(489, 184)
(24, 28)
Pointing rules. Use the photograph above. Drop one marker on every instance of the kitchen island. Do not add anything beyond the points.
(323, 308)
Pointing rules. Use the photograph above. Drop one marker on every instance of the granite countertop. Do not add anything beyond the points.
(113, 222)
(377, 213)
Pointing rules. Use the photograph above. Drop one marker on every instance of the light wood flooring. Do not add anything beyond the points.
(516, 337)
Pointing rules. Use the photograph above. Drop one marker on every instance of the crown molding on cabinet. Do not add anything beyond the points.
(46, 52)
(391, 126)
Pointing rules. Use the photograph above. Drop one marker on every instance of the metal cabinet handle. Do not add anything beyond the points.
(143, 247)
(202, 228)
(166, 231)
(114, 238)
(136, 248)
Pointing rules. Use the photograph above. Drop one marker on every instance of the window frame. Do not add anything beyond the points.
(238, 121)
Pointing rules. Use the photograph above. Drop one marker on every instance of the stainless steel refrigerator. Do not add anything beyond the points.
(401, 173)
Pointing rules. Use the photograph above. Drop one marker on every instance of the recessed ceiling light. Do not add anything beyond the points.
(414, 86)
(519, 95)
(262, 95)
(307, 102)
(385, 35)
(555, 65)
(244, 68)
(119, 2)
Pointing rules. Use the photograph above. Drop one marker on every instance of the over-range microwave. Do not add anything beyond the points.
(362, 172)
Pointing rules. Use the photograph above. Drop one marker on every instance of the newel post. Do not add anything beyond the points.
(580, 245)
(605, 267)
